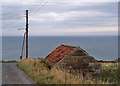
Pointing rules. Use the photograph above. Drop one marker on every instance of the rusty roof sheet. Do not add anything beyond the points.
(59, 53)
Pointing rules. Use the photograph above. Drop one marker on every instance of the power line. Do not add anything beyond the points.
(12, 12)
(33, 13)
(12, 15)
(12, 24)
(11, 28)
(34, 7)
(37, 6)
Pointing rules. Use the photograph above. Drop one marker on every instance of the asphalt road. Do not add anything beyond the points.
(11, 74)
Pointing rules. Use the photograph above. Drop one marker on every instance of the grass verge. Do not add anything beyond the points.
(42, 73)
(10, 61)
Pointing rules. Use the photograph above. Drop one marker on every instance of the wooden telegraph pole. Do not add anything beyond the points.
(26, 33)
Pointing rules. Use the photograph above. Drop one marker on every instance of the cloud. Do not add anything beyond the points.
(61, 16)
(77, 31)
(19, 1)
(61, 0)
(52, 16)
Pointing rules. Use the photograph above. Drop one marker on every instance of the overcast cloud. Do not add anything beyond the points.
(54, 17)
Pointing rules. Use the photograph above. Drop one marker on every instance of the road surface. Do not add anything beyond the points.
(11, 74)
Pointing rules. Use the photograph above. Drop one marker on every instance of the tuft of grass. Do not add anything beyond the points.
(42, 73)
(10, 61)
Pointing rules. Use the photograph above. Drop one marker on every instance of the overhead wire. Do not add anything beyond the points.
(13, 15)
(16, 23)
(12, 24)
(11, 12)
(35, 6)
(39, 8)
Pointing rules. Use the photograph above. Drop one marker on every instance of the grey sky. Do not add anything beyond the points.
(54, 17)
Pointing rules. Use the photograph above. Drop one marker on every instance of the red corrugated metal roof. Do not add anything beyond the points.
(59, 53)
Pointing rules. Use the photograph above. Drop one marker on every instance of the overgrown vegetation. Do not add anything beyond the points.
(110, 72)
(42, 73)
(10, 61)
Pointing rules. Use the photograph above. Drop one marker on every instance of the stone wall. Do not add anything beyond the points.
(79, 62)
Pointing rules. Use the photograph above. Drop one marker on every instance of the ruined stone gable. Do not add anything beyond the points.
(75, 60)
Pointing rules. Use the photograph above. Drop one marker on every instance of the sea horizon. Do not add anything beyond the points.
(59, 35)
(41, 46)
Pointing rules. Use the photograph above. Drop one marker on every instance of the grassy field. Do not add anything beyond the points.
(42, 73)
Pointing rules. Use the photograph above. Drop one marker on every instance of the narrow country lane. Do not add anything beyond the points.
(11, 74)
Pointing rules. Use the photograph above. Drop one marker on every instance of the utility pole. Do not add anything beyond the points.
(26, 33)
